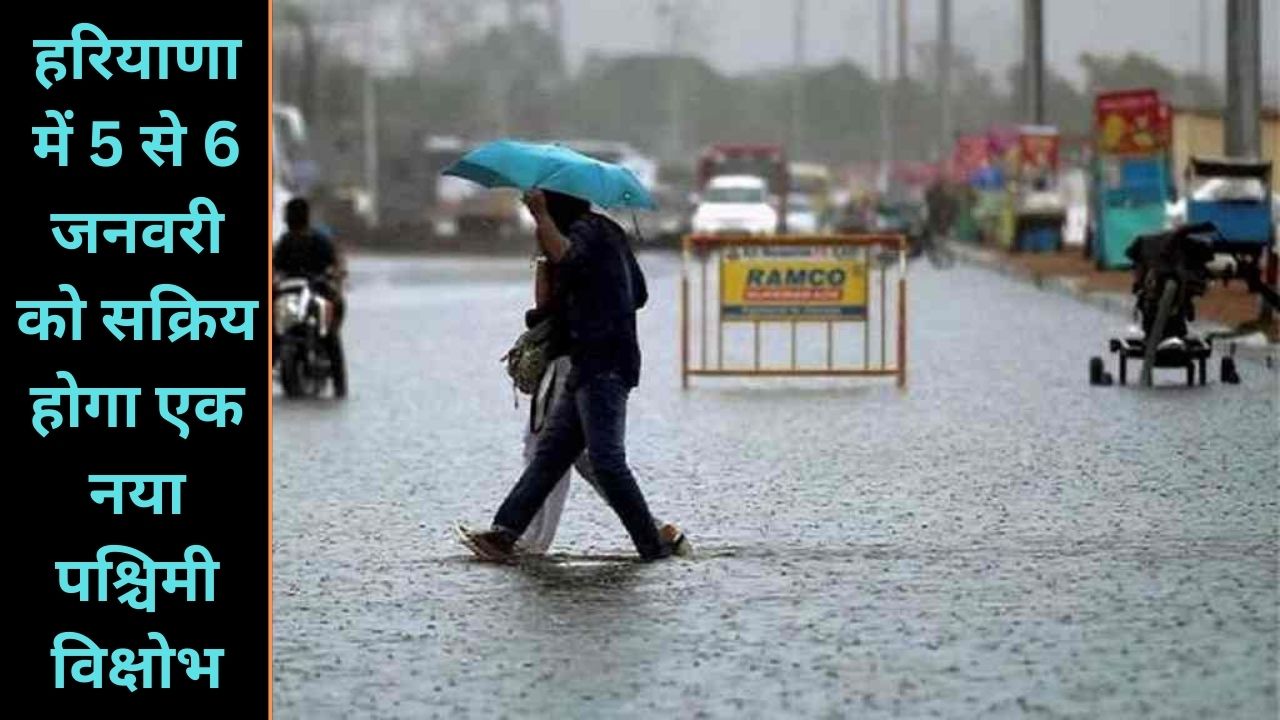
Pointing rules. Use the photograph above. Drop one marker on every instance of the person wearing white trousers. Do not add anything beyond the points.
(542, 530)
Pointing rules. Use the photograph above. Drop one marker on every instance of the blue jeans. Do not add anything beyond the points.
(594, 416)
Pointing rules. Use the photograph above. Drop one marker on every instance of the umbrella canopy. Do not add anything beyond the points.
(526, 165)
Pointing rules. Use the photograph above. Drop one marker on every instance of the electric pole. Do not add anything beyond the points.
(369, 104)
(797, 76)
(674, 14)
(1242, 132)
(1033, 61)
(886, 98)
(1204, 38)
(1244, 83)
(944, 76)
(903, 42)
(555, 16)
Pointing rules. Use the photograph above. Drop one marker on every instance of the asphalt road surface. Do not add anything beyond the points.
(999, 540)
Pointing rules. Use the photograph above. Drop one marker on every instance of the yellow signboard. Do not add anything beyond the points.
(783, 288)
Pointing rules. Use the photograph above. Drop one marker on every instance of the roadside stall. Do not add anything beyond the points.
(1037, 195)
(1130, 180)
(1004, 149)
(993, 207)
(1235, 195)
(968, 158)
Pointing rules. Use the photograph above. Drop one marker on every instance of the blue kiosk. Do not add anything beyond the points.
(1127, 200)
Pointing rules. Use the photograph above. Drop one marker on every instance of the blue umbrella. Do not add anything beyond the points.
(526, 165)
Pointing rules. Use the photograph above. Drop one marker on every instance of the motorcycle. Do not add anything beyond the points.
(899, 218)
(310, 352)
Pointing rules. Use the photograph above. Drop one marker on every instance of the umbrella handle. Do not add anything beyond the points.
(635, 224)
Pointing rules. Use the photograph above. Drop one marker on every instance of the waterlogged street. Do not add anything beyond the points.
(999, 540)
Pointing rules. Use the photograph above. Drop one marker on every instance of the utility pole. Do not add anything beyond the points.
(1204, 38)
(674, 14)
(555, 15)
(1243, 136)
(305, 90)
(1033, 61)
(508, 63)
(797, 76)
(369, 103)
(886, 111)
(1244, 82)
(903, 42)
(944, 76)
(899, 92)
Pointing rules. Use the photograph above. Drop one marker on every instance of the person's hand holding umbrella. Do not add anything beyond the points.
(552, 243)
(536, 201)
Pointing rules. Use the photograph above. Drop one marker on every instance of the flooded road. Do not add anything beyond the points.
(999, 540)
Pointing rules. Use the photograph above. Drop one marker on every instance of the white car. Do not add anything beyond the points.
(735, 204)
(802, 218)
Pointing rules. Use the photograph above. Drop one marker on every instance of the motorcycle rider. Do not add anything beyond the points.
(941, 203)
(304, 251)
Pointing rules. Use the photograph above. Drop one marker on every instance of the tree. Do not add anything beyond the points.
(1064, 106)
(975, 102)
(1135, 70)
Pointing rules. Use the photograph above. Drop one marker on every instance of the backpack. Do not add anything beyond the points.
(528, 358)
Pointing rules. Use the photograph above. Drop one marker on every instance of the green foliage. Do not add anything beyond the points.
(1135, 70)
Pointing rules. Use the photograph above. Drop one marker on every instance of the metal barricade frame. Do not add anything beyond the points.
(703, 246)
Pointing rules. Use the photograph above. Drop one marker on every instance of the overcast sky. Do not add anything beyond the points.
(738, 35)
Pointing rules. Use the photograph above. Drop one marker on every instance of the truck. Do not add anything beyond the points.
(768, 162)
(458, 208)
